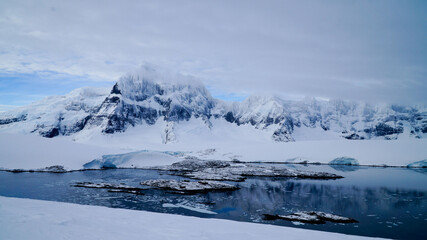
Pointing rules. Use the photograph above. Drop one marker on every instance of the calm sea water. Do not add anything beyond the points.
(387, 202)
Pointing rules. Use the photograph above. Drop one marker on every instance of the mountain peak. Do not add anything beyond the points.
(149, 80)
(151, 94)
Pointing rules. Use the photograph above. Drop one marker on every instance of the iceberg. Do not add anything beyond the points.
(344, 161)
(419, 164)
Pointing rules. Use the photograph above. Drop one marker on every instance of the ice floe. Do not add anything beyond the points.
(195, 209)
(118, 186)
(311, 217)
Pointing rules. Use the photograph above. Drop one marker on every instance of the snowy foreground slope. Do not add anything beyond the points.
(35, 219)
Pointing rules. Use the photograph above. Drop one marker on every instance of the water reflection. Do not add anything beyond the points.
(369, 195)
(345, 168)
(420, 170)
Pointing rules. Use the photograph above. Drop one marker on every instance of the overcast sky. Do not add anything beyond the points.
(372, 51)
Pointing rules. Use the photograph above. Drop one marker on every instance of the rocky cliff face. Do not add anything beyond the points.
(145, 96)
(148, 95)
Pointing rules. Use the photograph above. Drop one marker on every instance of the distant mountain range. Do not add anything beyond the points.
(149, 95)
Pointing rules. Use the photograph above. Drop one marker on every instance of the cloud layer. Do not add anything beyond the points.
(359, 50)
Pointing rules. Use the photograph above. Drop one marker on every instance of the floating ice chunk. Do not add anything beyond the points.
(297, 223)
(136, 192)
(105, 185)
(344, 161)
(419, 164)
(311, 217)
(200, 210)
(169, 205)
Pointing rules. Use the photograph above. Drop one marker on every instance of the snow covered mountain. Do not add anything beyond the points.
(55, 115)
(144, 96)
(149, 96)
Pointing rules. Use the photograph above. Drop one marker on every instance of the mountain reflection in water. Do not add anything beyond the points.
(387, 202)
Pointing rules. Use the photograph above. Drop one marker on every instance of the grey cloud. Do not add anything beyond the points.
(360, 50)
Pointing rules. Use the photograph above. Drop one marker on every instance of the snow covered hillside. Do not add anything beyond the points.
(55, 115)
(161, 100)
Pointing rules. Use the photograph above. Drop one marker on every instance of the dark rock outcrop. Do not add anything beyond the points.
(311, 218)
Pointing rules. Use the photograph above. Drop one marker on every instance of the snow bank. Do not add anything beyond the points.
(35, 219)
(138, 159)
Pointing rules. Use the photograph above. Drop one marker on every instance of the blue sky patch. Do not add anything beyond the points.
(17, 89)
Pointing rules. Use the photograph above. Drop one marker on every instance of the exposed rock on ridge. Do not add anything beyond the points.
(149, 95)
